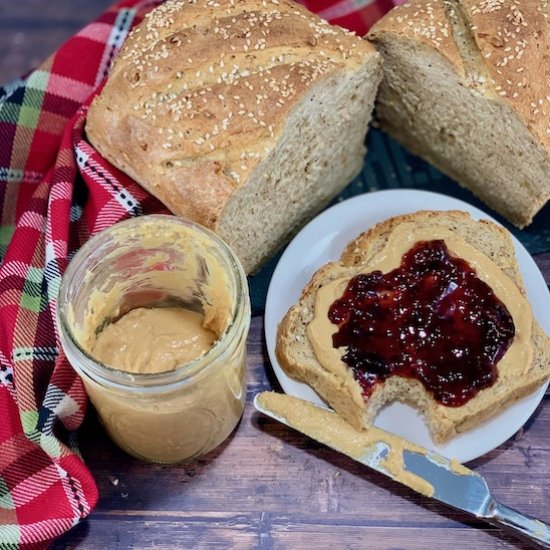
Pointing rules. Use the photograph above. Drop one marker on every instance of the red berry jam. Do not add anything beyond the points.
(431, 319)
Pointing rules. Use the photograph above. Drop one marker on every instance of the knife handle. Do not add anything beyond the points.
(524, 526)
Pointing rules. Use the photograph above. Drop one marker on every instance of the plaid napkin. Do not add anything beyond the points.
(56, 191)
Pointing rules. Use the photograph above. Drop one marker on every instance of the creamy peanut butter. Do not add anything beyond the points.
(517, 358)
(164, 305)
(152, 340)
(179, 263)
(331, 429)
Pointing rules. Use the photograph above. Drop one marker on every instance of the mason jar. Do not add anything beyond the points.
(159, 261)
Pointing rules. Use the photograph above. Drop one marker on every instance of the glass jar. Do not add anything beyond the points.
(156, 261)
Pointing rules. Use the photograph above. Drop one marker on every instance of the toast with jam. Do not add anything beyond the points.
(428, 309)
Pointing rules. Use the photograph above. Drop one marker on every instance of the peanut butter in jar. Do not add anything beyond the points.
(153, 314)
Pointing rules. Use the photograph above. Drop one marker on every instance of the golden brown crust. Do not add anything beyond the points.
(499, 249)
(426, 22)
(500, 47)
(343, 394)
(200, 92)
(514, 42)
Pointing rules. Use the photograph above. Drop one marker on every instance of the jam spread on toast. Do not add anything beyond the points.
(431, 319)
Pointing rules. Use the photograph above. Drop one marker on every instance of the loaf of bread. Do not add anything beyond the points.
(490, 248)
(244, 116)
(467, 87)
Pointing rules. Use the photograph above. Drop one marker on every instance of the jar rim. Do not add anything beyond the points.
(183, 374)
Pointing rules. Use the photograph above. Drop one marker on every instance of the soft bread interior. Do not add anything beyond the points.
(320, 150)
(481, 143)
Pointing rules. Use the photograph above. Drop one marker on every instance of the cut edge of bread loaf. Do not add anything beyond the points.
(466, 88)
(246, 117)
(320, 150)
(340, 389)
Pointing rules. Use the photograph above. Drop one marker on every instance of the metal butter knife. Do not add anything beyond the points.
(422, 470)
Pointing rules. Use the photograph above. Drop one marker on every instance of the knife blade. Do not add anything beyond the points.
(423, 471)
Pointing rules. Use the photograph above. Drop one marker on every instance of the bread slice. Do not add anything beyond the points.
(338, 386)
(467, 87)
(246, 117)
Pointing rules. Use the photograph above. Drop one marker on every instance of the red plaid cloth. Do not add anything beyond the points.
(56, 191)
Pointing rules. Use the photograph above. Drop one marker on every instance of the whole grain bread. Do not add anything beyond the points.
(244, 116)
(467, 87)
(339, 386)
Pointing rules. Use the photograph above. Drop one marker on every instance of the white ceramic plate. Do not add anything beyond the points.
(323, 240)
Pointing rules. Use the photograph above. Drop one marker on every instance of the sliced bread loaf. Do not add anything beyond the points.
(244, 116)
(467, 87)
(489, 247)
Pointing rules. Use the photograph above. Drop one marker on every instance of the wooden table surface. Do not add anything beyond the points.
(266, 486)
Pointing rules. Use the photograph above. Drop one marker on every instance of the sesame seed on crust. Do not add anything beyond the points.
(200, 83)
(507, 45)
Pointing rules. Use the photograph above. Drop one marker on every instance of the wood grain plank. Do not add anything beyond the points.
(29, 33)
(294, 536)
(57, 12)
(543, 262)
(213, 532)
(265, 530)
